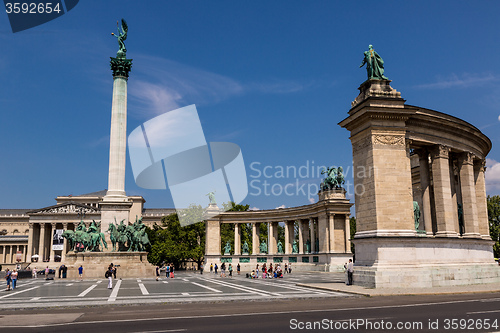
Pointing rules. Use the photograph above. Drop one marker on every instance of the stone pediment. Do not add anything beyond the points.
(67, 208)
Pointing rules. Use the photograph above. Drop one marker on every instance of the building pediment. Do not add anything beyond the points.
(66, 208)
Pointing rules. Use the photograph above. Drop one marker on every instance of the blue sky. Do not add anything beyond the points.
(274, 77)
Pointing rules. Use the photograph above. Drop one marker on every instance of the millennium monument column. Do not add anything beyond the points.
(115, 204)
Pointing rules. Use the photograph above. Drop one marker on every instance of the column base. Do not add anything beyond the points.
(451, 234)
(471, 235)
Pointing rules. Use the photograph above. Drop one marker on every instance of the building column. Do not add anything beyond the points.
(301, 237)
(271, 244)
(51, 245)
(65, 244)
(237, 239)
(445, 216)
(255, 238)
(212, 242)
(307, 234)
(25, 252)
(481, 202)
(287, 246)
(41, 243)
(347, 234)
(323, 234)
(313, 236)
(4, 254)
(331, 228)
(468, 189)
(29, 251)
(426, 222)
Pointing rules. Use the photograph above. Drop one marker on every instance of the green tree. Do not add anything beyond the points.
(172, 243)
(494, 222)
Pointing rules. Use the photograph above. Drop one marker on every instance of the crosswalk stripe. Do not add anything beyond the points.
(212, 289)
(86, 291)
(144, 291)
(114, 293)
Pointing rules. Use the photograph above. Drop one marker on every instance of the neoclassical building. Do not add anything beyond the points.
(27, 234)
(413, 154)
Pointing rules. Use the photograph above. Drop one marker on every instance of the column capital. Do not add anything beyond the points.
(121, 67)
(440, 151)
(466, 158)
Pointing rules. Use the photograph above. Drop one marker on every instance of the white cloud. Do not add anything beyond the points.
(253, 208)
(492, 176)
(161, 85)
(498, 118)
(280, 207)
(464, 81)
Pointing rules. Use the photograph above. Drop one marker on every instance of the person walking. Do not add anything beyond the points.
(238, 268)
(286, 268)
(211, 268)
(201, 268)
(109, 276)
(257, 271)
(157, 273)
(167, 271)
(172, 271)
(8, 278)
(223, 270)
(34, 272)
(350, 270)
(230, 271)
(13, 276)
(47, 272)
(80, 272)
(215, 268)
(114, 271)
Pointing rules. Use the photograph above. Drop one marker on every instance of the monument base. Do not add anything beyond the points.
(423, 262)
(95, 264)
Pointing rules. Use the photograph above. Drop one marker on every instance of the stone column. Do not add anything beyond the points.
(301, 237)
(455, 190)
(271, 244)
(445, 216)
(347, 234)
(331, 227)
(255, 238)
(29, 252)
(51, 247)
(65, 244)
(212, 242)
(481, 203)
(237, 240)
(471, 222)
(118, 135)
(426, 216)
(25, 252)
(307, 233)
(313, 236)
(4, 254)
(323, 234)
(41, 243)
(287, 246)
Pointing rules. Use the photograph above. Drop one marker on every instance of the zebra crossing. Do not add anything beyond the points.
(188, 287)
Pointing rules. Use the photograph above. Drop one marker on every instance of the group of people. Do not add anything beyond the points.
(11, 278)
(214, 269)
(169, 271)
(270, 272)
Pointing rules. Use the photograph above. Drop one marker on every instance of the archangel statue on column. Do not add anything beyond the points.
(122, 36)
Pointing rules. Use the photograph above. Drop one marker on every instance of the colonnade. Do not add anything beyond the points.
(453, 193)
(314, 235)
(8, 253)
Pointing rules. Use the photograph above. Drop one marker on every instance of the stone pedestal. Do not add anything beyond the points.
(95, 264)
(424, 262)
